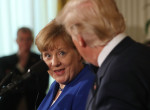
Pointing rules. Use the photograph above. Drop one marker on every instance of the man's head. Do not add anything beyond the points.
(91, 23)
(24, 39)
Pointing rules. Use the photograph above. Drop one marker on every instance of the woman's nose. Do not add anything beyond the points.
(55, 61)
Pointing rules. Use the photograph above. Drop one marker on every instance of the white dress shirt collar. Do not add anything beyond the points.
(109, 47)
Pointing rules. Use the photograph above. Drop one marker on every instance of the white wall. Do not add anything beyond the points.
(136, 13)
(14, 14)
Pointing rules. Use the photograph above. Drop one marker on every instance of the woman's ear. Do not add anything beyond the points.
(80, 58)
(81, 41)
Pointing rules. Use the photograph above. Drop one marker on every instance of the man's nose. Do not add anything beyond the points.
(55, 61)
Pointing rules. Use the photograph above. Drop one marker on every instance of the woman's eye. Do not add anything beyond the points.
(47, 55)
(62, 53)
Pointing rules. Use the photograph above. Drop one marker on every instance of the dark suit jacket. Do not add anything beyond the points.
(33, 89)
(123, 80)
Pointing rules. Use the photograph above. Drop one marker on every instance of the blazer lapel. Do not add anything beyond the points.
(101, 71)
(117, 50)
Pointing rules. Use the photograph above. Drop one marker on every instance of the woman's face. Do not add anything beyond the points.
(63, 61)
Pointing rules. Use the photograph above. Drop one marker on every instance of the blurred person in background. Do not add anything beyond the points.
(29, 93)
(123, 78)
(73, 78)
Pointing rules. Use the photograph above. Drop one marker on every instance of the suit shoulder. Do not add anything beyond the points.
(9, 58)
(35, 55)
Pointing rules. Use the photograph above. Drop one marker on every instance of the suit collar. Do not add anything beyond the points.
(109, 47)
(125, 43)
(122, 46)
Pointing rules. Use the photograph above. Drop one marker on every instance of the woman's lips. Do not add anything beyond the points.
(59, 72)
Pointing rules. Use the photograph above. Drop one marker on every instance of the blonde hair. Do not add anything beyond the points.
(49, 34)
(97, 21)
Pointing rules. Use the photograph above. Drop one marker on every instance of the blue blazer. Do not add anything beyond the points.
(73, 96)
(123, 80)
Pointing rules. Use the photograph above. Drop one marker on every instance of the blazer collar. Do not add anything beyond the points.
(118, 49)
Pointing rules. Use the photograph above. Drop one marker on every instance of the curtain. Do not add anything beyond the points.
(136, 14)
(14, 14)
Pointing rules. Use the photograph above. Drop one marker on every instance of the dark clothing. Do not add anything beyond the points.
(33, 89)
(123, 80)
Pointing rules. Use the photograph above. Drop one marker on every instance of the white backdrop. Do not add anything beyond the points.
(17, 13)
(136, 13)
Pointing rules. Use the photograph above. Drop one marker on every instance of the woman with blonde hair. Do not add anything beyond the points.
(73, 79)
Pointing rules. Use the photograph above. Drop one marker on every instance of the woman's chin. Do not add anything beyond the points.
(61, 81)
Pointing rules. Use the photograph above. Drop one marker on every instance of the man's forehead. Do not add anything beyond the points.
(24, 35)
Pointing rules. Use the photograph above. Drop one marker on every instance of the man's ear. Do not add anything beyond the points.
(81, 41)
